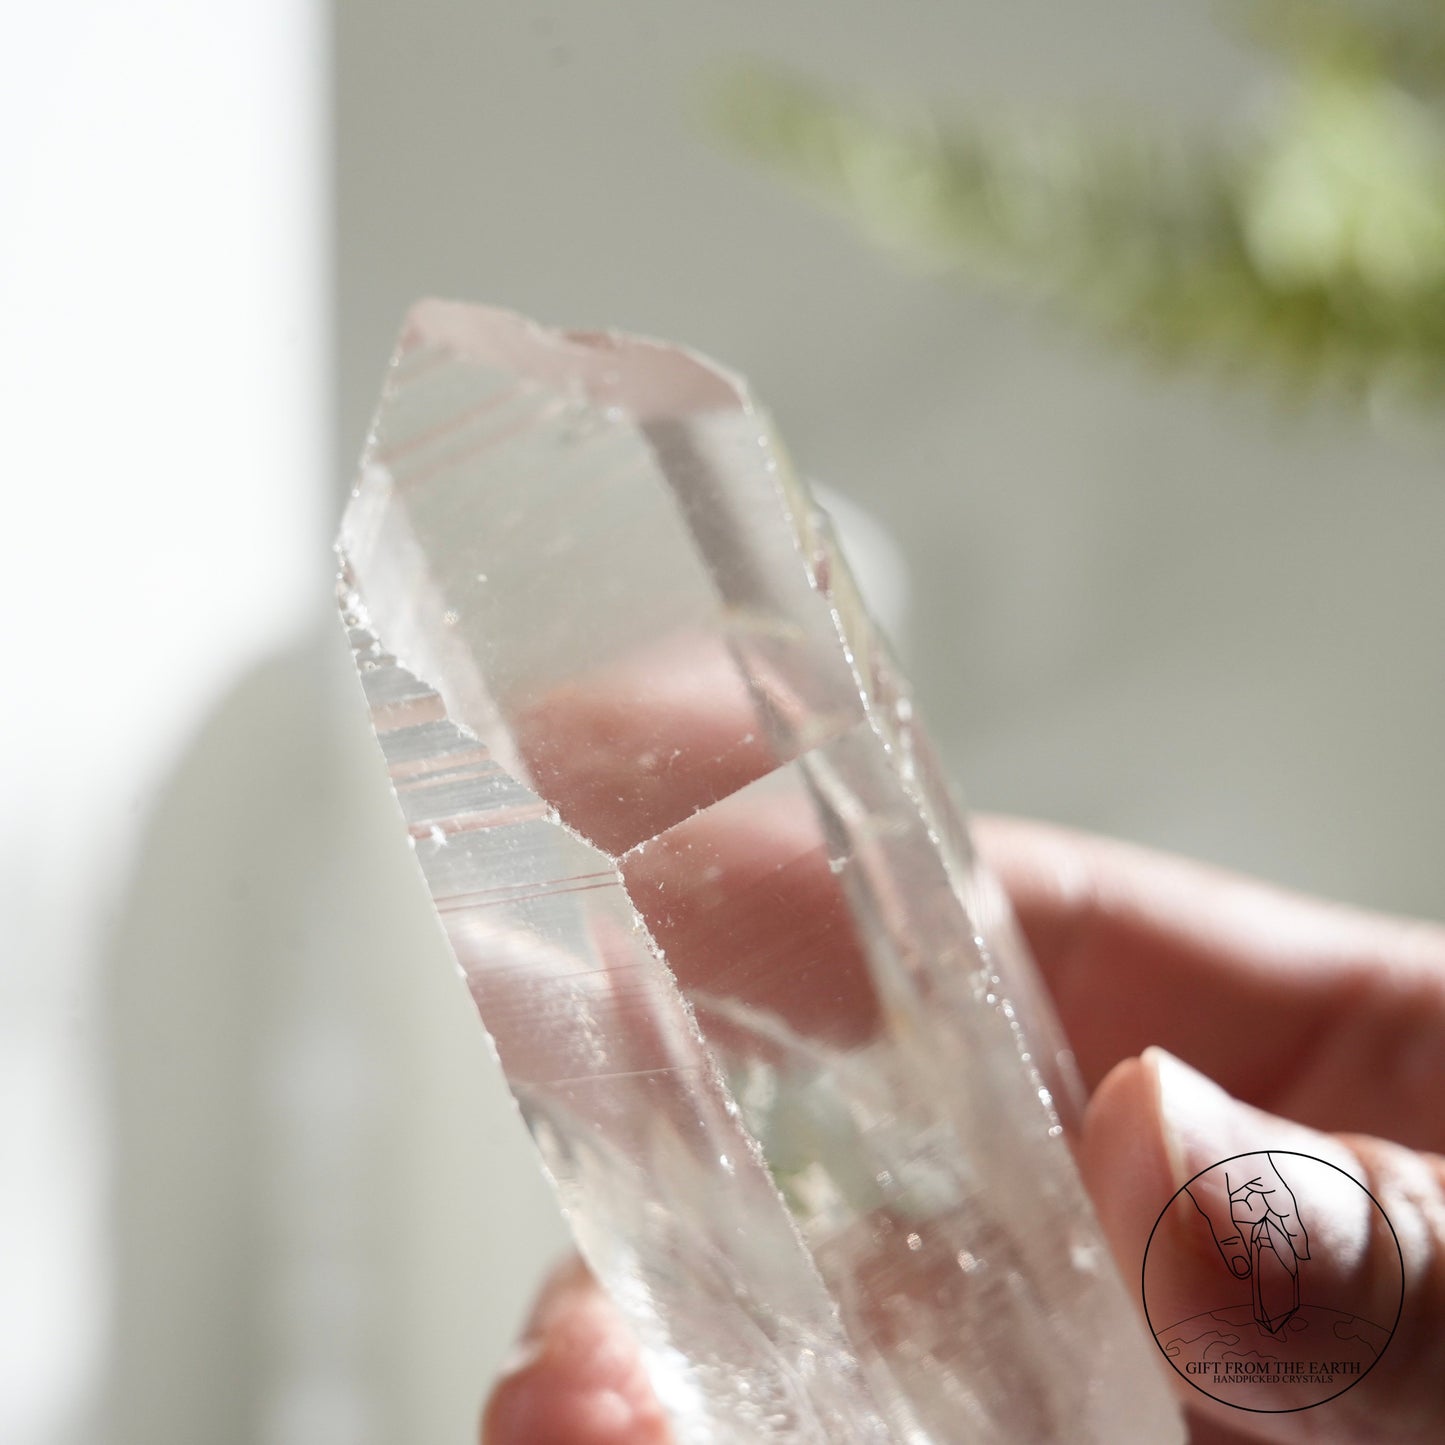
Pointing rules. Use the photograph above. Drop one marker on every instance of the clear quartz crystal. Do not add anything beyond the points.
(772, 1029)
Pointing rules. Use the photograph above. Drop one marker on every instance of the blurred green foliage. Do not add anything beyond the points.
(1307, 247)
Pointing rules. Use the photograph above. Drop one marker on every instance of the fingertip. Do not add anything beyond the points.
(531, 1409)
(1125, 1160)
(1124, 1151)
(576, 1378)
(567, 1286)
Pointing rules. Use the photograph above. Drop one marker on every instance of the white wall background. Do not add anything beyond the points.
(162, 264)
(259, 1175)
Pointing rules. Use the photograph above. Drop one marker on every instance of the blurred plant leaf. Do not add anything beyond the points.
(1311, 253)
(1403, 40)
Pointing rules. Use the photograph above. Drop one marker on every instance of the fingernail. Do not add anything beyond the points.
(519, 1359)
(565, 1282)
(1201, 1125)
(1187, 1103)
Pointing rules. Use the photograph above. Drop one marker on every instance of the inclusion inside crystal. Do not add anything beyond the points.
(772, 1031)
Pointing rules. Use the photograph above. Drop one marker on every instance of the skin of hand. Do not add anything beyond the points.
(1305, 1026)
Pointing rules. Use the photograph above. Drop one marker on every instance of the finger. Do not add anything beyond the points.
(575, 1377)
(1154, 1123)
(1313, 1011)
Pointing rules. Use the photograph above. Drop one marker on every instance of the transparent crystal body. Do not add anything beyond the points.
(770, 1026)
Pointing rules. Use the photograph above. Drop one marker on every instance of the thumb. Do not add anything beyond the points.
(1351, 1345)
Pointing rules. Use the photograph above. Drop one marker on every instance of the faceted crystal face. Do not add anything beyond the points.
(772, 1030)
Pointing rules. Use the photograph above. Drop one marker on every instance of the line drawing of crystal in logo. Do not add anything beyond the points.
(1304, 1333)
(1256, 1225)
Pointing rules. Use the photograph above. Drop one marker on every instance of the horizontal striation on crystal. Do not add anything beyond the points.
(775, 1036)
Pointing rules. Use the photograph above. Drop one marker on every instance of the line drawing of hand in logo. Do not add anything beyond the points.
(1255, 1221)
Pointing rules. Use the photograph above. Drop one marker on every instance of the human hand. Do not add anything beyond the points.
(1299, 1011)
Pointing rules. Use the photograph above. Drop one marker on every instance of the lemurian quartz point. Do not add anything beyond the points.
(771, 1029)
